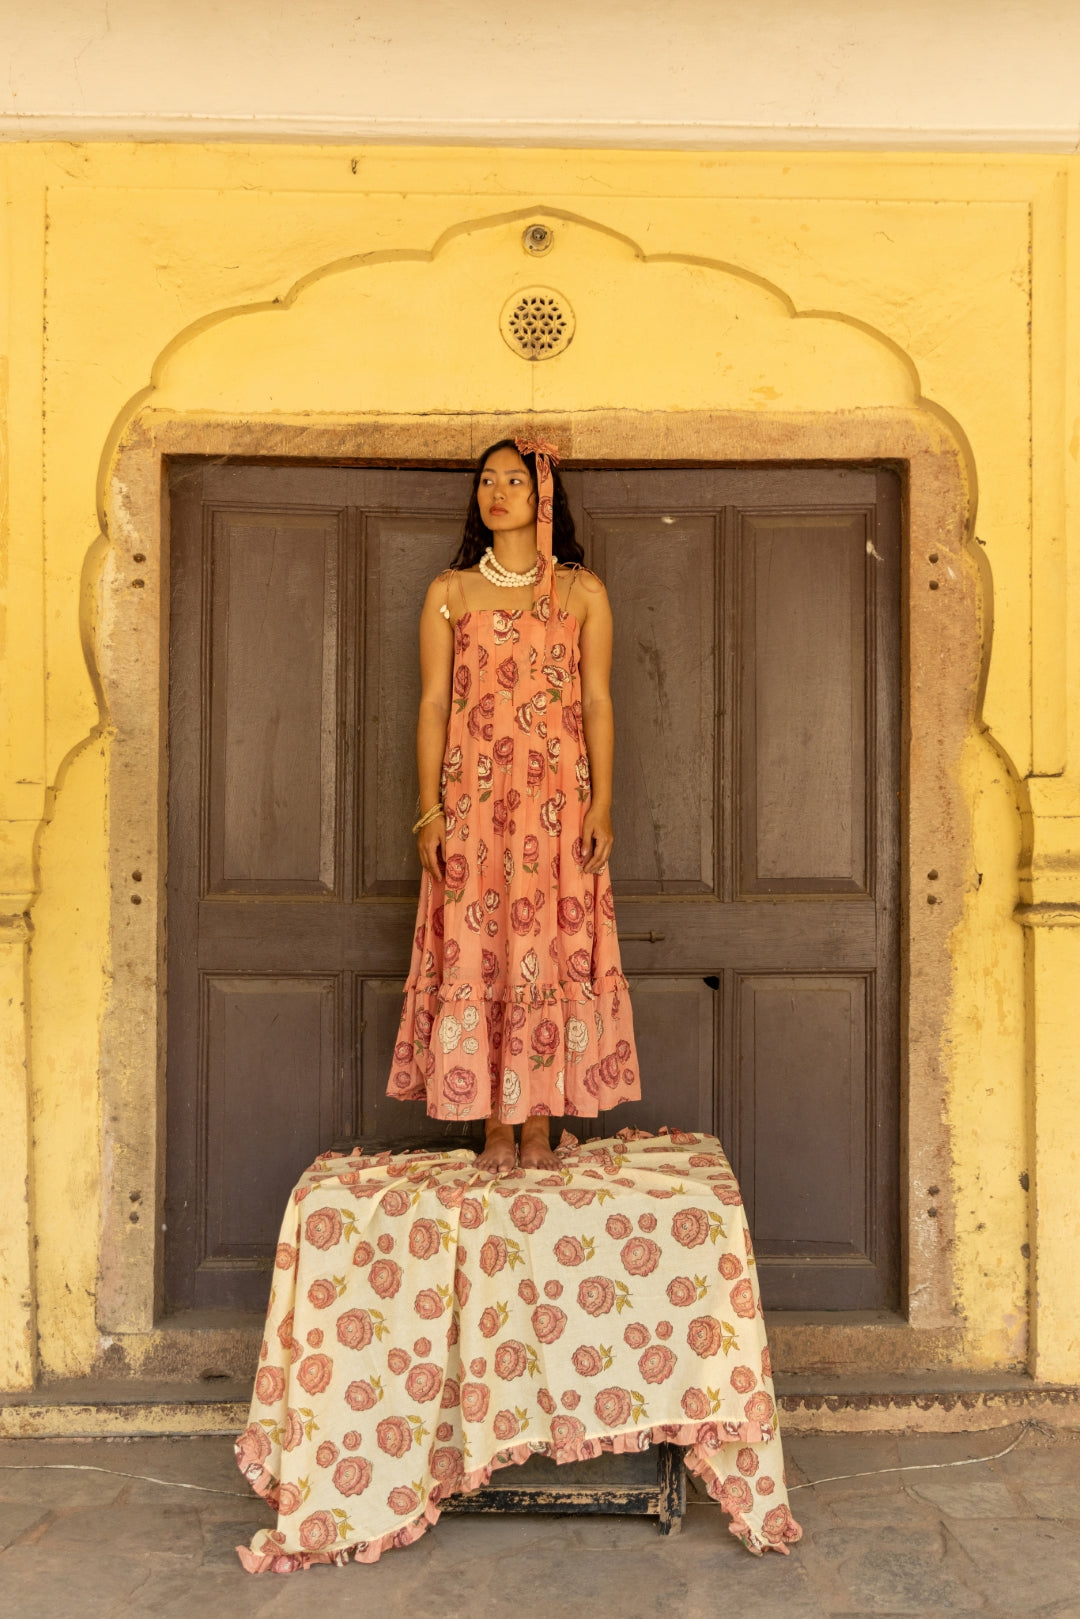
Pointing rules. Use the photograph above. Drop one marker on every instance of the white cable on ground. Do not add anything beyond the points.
(247, 1495)
(915, 1467)
(88, 1467)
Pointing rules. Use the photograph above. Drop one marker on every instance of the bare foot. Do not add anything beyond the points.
(536, 1150)
(498, 1153)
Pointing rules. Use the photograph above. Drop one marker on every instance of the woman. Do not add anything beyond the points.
(516, 1006)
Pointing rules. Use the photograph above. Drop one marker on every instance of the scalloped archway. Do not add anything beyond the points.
(399, 357)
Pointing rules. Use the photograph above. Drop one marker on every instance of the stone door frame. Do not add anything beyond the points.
(943, 668)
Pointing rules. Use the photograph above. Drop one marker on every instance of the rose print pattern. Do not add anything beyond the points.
(425, 1331)
(516, 926)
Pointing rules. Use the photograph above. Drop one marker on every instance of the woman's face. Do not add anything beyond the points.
(505, 493)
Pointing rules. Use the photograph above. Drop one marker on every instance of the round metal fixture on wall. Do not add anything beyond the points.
(538, 239)
(537, 323)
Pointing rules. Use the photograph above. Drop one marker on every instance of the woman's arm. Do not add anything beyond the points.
(436, 673)
(596, 632)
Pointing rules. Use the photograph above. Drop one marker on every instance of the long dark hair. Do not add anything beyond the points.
(476, 536)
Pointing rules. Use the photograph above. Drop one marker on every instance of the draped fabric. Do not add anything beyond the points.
(429, 1324)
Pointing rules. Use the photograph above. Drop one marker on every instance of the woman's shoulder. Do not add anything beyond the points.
(437, 597)
(438, 586)
(587, 586)
(453, 573)
(442, 581)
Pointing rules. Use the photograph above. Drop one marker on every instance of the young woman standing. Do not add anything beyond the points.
(516, 1007)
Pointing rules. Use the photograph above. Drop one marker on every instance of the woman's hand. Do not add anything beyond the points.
(597, 839)
(431, 844)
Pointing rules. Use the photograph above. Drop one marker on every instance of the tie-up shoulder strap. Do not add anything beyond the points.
(447, 577)
(578, 569)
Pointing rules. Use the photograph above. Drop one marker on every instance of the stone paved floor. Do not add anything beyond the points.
(1000, 1540)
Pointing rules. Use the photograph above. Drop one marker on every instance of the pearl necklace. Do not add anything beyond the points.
(496, 574)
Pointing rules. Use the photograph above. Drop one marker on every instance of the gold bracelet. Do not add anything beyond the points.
(430, 816)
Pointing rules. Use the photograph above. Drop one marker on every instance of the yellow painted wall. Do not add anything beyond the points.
(264, 281)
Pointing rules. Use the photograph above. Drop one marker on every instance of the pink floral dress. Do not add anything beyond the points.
(516, 1002)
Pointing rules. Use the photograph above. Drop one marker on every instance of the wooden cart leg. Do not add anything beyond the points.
(671, 1482)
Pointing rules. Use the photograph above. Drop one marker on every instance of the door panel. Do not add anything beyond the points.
(676, 1034)
(801, 783)
(804, 1152)
(663, 674)
(403, 551)
(803, 816)
(254, 1026)
(275, 722)
(293, 652)
(756, 687)
(380, 1003)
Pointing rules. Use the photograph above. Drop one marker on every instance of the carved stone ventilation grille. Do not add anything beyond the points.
(537, 323)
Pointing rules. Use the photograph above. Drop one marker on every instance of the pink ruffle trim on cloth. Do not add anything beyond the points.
(555, 1048)
(703, 1446)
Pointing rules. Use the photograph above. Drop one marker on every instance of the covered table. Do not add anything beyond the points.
(430, 1323)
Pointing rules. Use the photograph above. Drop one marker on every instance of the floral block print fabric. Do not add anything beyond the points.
(516, 1002)
(429, 1324)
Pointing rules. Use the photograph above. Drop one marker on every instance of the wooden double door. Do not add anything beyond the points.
(756, 687)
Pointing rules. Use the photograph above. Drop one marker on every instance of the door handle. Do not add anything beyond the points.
(641, 938)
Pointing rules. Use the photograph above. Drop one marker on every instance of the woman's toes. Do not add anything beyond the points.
(498, 1153)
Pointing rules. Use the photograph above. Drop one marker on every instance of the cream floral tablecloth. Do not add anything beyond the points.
(429, 1323)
